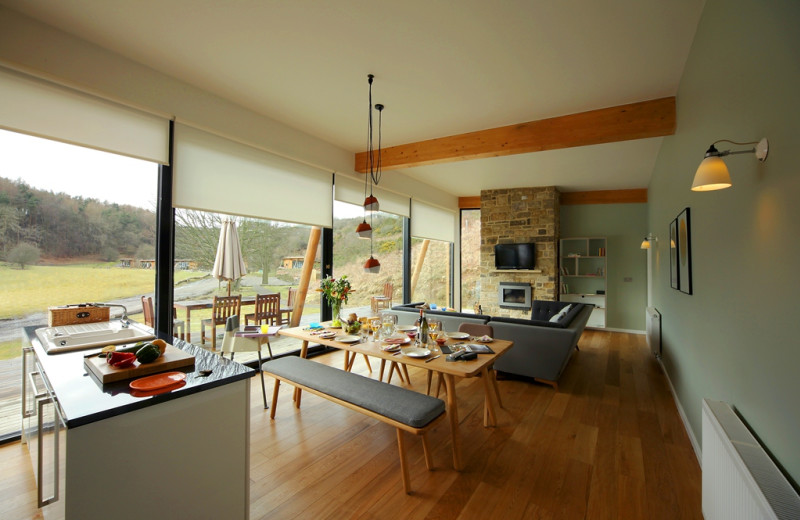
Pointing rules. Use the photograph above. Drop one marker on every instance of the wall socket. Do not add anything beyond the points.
(627, 279)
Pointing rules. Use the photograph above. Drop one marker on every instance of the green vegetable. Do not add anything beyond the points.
(134, 349)
(148, 354)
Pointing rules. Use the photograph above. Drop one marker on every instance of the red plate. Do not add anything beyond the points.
(163, 390)
(157, 381)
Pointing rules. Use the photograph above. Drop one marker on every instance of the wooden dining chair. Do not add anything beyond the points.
(223, 308)
(384, 301)
(285, 313)
(267, 310)
(150, 318)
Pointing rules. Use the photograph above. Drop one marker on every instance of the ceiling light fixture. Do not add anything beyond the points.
(372, 178)
(712, 174)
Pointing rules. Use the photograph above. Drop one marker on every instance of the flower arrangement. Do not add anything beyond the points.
(336, 291)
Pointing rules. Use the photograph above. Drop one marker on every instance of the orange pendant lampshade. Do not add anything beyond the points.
(364, 230)
(372, 265)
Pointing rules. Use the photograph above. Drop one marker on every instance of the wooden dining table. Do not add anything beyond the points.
(195, 305)
(482, 366)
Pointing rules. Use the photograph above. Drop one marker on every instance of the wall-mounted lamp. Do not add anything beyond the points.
(648, 240)
(712, 174)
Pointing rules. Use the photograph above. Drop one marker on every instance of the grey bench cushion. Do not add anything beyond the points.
(404, 406)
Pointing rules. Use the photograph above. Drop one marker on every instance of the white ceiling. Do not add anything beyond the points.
(441, 68)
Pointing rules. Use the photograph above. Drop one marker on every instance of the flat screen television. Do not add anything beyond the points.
(515, 256)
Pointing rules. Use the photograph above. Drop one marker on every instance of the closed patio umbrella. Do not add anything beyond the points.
(229, 264)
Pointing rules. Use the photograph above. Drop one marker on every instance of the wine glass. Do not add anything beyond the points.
(375, 326)
(434, 332)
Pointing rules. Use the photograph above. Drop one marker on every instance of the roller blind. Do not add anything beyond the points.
(428, 221)
(352, 191)
(212, 173)
(40, 108)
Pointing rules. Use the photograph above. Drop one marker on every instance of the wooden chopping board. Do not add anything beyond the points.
(172, 358)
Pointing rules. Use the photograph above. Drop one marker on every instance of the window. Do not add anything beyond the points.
(350, 252)
(76, 225)
(274, 254)
(470, 259)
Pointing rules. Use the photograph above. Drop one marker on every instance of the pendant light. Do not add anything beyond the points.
(372, 178)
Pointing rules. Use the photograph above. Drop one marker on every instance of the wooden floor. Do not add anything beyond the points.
(608, 444)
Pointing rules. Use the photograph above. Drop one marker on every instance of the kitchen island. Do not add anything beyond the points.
(101, 452)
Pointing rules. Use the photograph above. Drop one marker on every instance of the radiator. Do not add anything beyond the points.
(653, 323)
(740, 481)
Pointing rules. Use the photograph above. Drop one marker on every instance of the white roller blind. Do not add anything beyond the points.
(352, 191)
(212, 173)
(432, 222)
(35, 107)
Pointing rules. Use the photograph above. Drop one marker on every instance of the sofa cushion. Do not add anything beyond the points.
(560, 314)
(543, 310)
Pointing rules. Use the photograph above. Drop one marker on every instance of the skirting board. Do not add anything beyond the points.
(626, 331)
(698, 450)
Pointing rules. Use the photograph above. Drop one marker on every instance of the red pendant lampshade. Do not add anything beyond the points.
(364, 230)
(372, 265)
(371, 204)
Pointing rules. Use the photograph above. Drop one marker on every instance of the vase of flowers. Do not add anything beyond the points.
(336, 291)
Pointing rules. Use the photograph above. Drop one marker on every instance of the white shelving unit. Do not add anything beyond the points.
(583, 269)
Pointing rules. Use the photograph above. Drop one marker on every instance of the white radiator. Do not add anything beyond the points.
(653, 324)
(740, 481)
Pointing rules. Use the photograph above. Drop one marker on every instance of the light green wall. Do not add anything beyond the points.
(624, 225)
(735, 339)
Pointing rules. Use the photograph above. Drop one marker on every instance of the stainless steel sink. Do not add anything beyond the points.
(79, 337)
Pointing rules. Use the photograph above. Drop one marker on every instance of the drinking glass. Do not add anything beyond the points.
(434, 331)
(389, 323)
(375, 327)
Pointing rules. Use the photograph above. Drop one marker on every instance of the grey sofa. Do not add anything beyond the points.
(542, 348)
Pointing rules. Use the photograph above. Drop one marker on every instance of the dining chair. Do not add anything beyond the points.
(267, 310)
(233, 343)
(285, 313)
(383, 301)
(222, 308)
(150, 318)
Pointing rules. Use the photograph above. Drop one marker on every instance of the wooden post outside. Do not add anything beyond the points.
(417, 268)
(305, 275)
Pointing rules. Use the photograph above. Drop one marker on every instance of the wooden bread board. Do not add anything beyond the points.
(172, 358)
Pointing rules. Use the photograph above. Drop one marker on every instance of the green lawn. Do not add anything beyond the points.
(36, 288)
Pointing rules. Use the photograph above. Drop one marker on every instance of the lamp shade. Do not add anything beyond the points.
(372, 265)
(712, 174)
(364, 230)
(645, 244)
(371, 204)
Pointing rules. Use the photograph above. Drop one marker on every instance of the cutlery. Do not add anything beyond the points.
(434, 357)
(397, 353)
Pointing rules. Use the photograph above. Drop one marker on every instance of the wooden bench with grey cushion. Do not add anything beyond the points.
(406, 410)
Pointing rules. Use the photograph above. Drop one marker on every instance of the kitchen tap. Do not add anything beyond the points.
(124, 319)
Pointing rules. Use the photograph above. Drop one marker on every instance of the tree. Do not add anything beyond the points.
(24, 254)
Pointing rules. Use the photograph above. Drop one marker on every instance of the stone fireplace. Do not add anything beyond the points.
(516, 216)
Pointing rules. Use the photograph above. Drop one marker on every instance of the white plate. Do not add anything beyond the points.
(348, 338)
(416, 352)
(406, 328)
(458, 335)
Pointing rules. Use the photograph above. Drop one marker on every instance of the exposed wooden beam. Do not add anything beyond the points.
(655, 118)
(469, 202)
(604, 197)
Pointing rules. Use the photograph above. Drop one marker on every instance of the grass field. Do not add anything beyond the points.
(36, 288)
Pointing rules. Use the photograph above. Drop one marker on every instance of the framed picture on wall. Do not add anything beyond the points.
(673, 255)
(684, 253)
